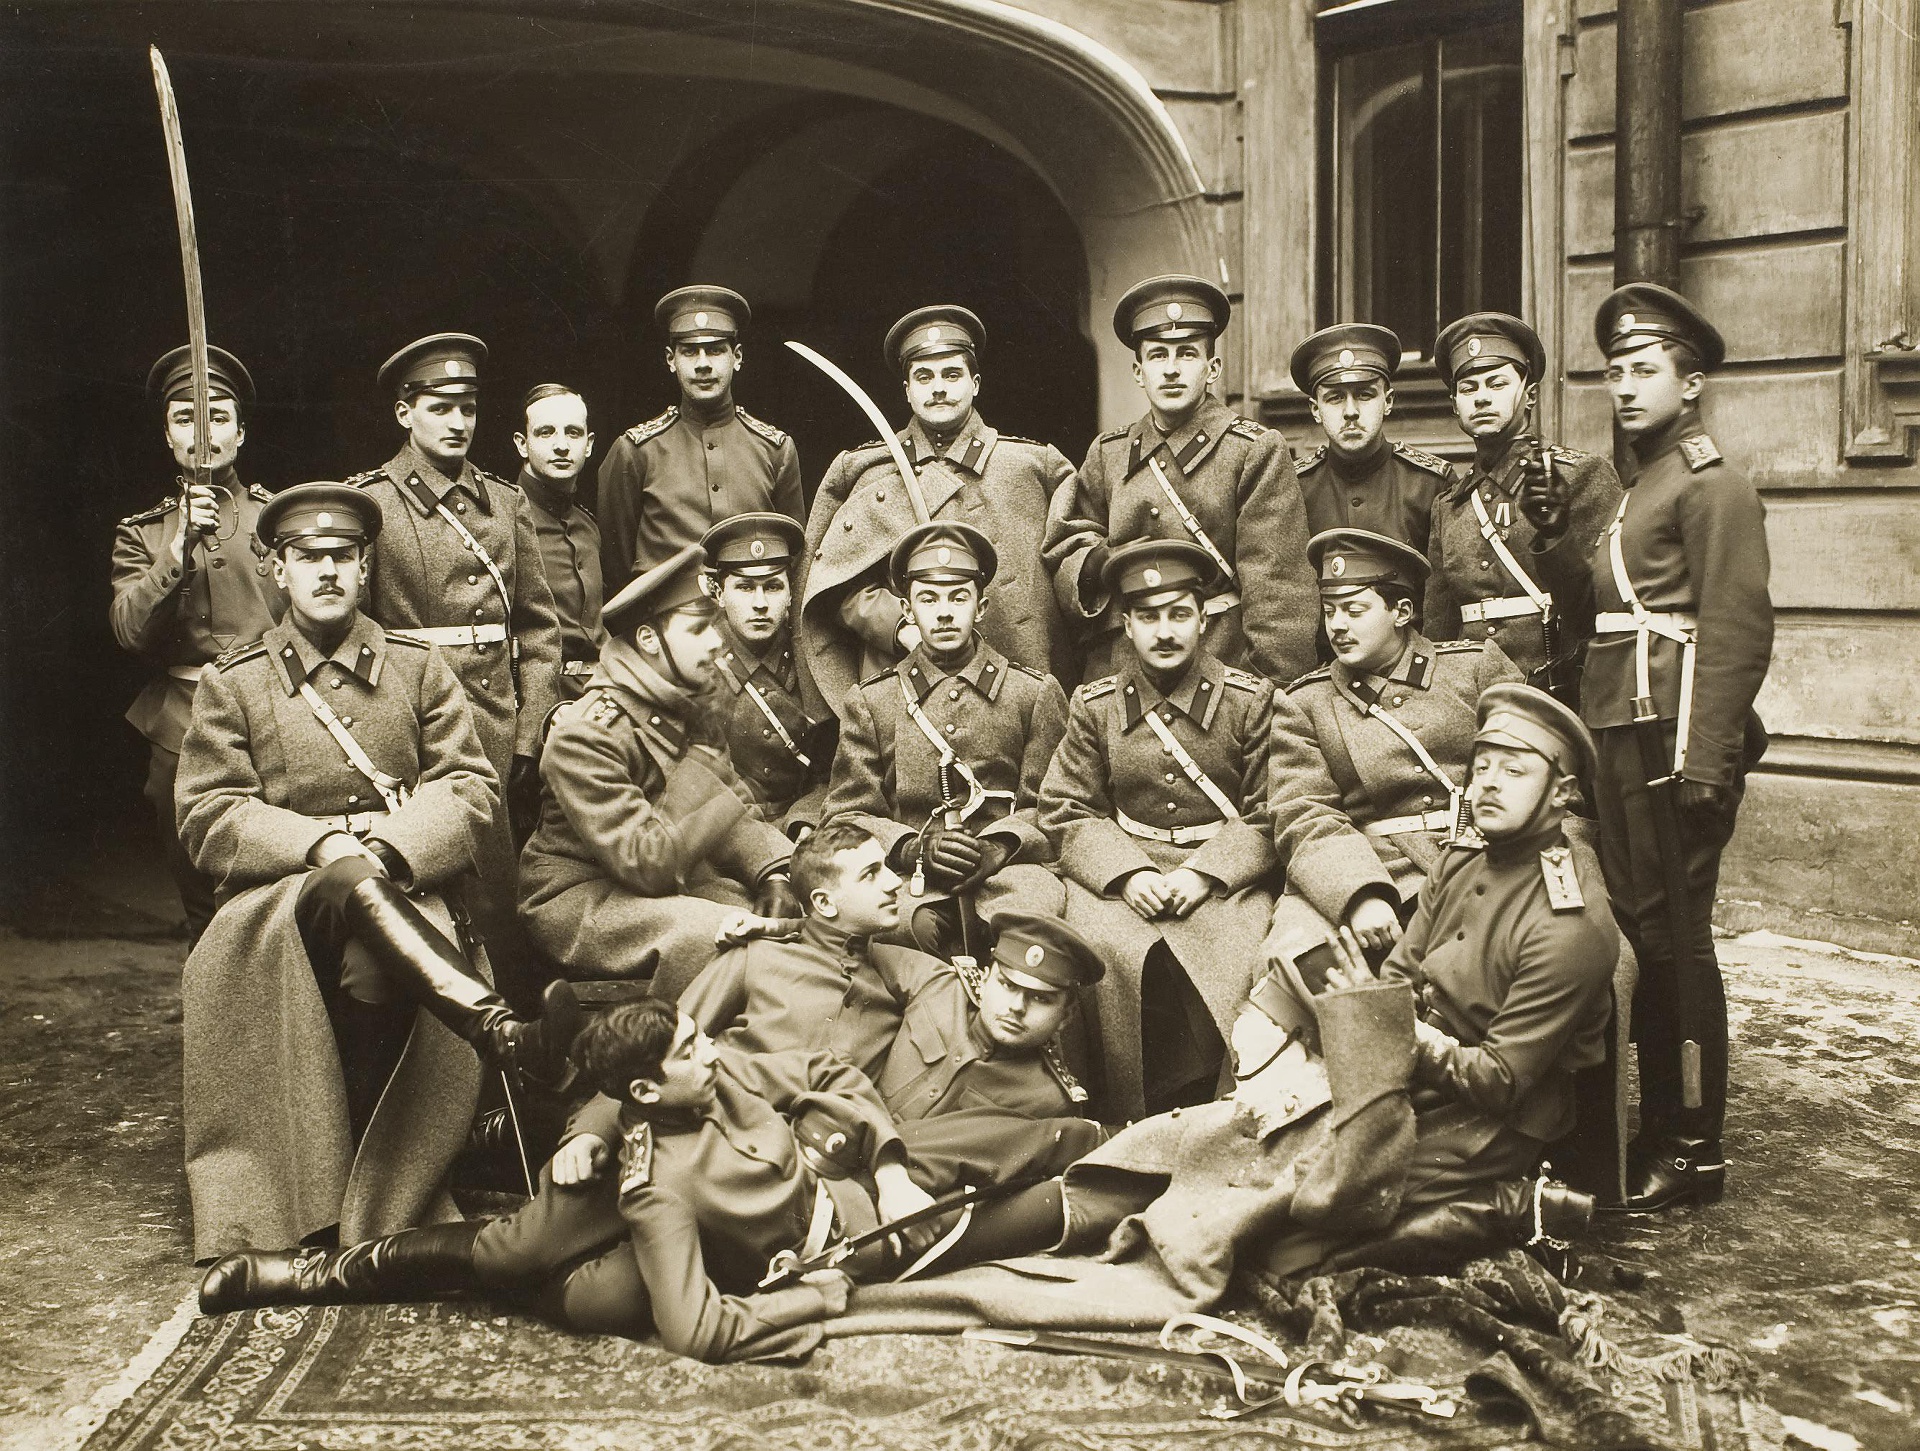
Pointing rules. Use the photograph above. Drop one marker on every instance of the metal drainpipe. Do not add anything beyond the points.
(1646, 173)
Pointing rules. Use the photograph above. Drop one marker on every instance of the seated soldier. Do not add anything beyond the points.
(941, 756)
(339, 833)
(1157, 804)
(648, 841)
(726, 1159)
(1370, 752)
(781, 753)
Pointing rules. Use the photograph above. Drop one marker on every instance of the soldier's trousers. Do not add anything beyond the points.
(1679, 997)
(196, 888)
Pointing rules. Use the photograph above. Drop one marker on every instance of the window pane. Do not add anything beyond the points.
(1480, 160)
(1384, 147)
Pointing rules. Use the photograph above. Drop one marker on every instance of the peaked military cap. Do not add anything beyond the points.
(1174, 306)
(836, 1145)
(1043, 954)
(674, 584)
(443, 363)
(1345, 353)
(319, 514)
(1143, 568)
(752, 544)
(927, 332)
(1528, 719)
(1350, 560)
(942, 550)
(171, 376)
(1483, 340)
(702, 313)
(1639, 313)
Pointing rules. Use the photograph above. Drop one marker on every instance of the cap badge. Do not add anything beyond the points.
(934, 334)
(1152, 576)
(758, 549)
(699, 319)
(1175, 311)
(1473, 347)
(453, 368)
(944, 555)
(836, 1141)
(325, 521)
(1346, 357)
(1626, 322)
(1337, 565)
(1036, 955)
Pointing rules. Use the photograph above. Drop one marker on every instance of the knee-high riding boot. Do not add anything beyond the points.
(370, 1038)
(416, 1264)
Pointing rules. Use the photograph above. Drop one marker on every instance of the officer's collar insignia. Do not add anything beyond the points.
(636, 1158)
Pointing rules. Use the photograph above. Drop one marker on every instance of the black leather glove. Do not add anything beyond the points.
(1706, 808)
(995, 852)
(1543, 494)
(951, 856)
(776, 898)
(902, 855)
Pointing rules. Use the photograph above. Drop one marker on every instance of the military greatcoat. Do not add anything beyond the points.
(1236, 478)
(269, 1156)
(1337, 774)
(750, 684)
(999, 484)
(1390, 493)
(647, 841)
(1468, 572)
(1112, 769)
(1004, 721)
(667, 481)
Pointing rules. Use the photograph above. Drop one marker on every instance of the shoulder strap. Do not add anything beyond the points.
(1407, 738)
(977, 793)
(1222, 802)
(1491, 533)
(752, 692)
(1200, 536)
(423, 496)
(392, 789)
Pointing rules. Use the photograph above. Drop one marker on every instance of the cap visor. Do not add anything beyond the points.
(1026, 980)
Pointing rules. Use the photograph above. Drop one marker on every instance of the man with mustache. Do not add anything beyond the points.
(1357, 477)
(554, 444)
(332, 785)
(459, 564)
(648, 840)
(851, 621)
(1157, 805)
(667, 481)
(1509, 540)
(1370, 752)
(1189, 469)
(190, 579)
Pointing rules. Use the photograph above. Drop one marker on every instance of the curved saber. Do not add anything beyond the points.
(879, 420)
(190, 268)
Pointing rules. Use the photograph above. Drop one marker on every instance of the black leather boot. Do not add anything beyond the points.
(416, 1264)
(1439, 1238)
(1678, 1171)
(418, 958)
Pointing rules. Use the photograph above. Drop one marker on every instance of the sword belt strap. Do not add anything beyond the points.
(1507, 608)
(457, 634)
(1645, 624)
(423, 496)
(978, 794)
(1541, 601)
(752, 692)
(1455, 796)
(820, 1224)
(1406, 825)
(392, 789)
(1200, 535)
(1209, 788)
(1172, 835)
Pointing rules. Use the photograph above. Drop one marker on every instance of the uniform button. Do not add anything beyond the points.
(348, 720)
(1486, 564)
(716, 486)
(1479, 891)
(1489, 632)
(1358, 502)
(879, 496)
(1426, 801)
(847, 524)
(353, 801)
(951, 727)
(485, 684)
(820, 554)
(953, 695)
(1459, 937)
(1169, 775)
(220, 563)
(336, 684)
(711, 446)
(653, 720)
(473, 579)
(1172, 807)
(1399, 700)
(459, 507)
(765, 734)
(1166, 750)
(1154, 512)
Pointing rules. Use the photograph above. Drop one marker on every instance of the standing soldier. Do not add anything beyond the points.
(941, 757)
(458, 563)
(648, 841)
(1370, 752)
(667, 481)
(1684, 635)
(555, 446)
(779, 749)
(1357, 477)
(1494, 577)
(1190, 469)
(190, 579)
(852, 624)
(1157, 803)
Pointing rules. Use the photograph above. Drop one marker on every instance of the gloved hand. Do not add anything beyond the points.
(995, 852)
(1543, 494)
(951, 855)
(1706, 808)
(776, 898)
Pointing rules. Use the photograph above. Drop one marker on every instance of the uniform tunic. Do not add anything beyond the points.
(570, 556)
(1390, 493)
(1334, 771)
(999, 484)
(1237, 479)
(1111, 762)
(667, 481)
(232, 600)
(1003, 721)
(647, 839)
(269, 1155)
(780, 782)
(1467, 571)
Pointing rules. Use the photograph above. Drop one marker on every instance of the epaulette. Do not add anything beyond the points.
(767, 431)
(1026, 670)
(259, 493)
(1455, 647)
(234, 654)
(601, 707)
(636, 1157)
(401, 637)
(1094, 689)
(1421, 459)
(1323, 673)
(1699, 451)
(360, 481)
(1113, 433)
(159, 510)
(1247, 428)
(1312, 459)
(503, 482)
(876, 677)
(1016, 438)
(1240, 679)
(1568, 455)
(653, 427)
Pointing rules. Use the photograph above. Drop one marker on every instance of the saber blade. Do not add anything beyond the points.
(189, 266)
(874, 416)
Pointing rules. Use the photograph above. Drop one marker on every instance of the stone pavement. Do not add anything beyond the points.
(1812, 1265)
